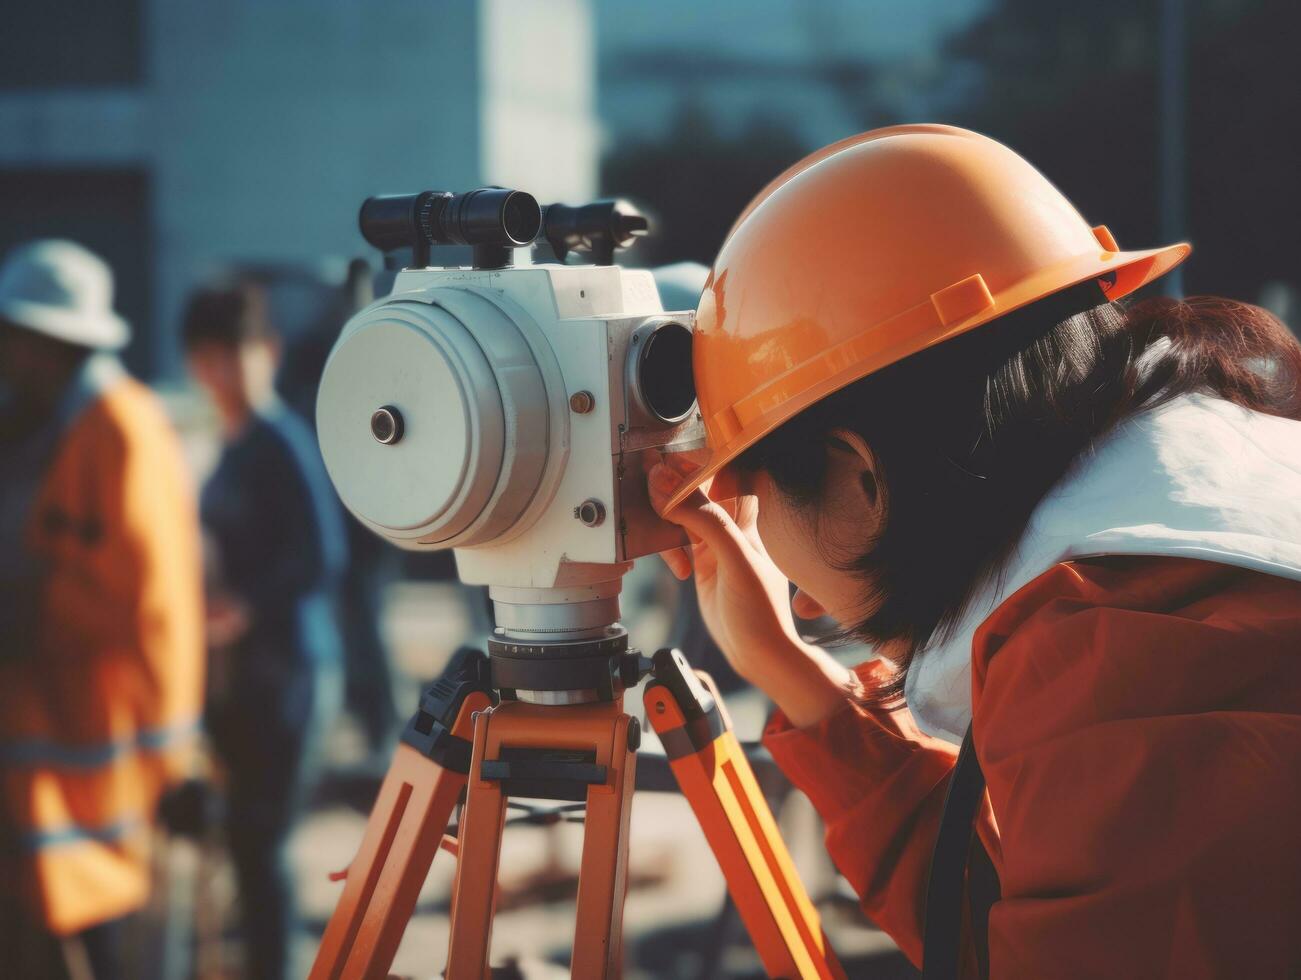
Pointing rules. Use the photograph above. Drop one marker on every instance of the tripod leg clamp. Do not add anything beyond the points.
(714, 775)
(702, 714)
(429, 731)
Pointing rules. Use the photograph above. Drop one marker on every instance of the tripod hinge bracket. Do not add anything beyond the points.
(430, 730)
(696, 734)
(548, 774)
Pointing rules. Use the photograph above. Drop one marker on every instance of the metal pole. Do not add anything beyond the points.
(1172, 116)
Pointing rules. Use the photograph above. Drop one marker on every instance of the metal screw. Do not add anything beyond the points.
(582, 402)
(591, 513)
(386, 425)
(634, 735)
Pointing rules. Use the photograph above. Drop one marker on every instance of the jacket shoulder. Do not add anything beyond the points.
(1169, 586)
(1143, 635)
(130, 408)
(125, 419)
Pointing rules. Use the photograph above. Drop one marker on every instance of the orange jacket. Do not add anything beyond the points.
(1138, 722)
(99, 714)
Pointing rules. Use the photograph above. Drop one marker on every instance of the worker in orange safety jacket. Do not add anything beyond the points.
(1070, 528)
(100, 617)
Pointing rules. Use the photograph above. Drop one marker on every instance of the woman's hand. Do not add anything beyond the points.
(745, 601)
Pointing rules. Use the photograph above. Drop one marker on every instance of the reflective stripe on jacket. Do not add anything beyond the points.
(98, 715)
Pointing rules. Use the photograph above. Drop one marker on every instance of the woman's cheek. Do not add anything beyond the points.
(772, 533)
(791, 550)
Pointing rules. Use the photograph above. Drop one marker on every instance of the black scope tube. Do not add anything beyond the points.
(487, 216)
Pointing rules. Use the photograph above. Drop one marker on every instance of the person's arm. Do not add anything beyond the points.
(123, 559)
(103, 560)
(878, 783)
(1141, 737)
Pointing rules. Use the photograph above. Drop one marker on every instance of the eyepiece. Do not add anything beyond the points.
(488, 216)
(662, 377)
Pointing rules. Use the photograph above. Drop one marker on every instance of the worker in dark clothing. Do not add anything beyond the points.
(279, 550)
(373, 563)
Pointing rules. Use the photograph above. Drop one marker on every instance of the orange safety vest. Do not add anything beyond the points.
(99, 714)
(1138, 721)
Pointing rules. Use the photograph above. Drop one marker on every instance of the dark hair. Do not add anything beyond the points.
(228, 314)
(970, 435)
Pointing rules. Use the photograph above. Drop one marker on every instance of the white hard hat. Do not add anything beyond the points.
(62, 290)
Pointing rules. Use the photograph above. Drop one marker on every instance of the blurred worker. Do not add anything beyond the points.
(1071, 529)
(373, 563)
(280, 551)
(101, 649)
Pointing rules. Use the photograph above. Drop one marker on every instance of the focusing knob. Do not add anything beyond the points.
(386, 425)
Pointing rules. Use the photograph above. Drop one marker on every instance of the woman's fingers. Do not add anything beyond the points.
(684, 463)
(679, 562)
(701, 517)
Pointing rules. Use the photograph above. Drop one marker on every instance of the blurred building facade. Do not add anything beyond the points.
(1164, 119)
(818, 68)
(178, 136)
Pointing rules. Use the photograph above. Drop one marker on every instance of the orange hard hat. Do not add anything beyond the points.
(875, 248)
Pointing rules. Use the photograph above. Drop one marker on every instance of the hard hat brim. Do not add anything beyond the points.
(98, 331)
(1118, 274)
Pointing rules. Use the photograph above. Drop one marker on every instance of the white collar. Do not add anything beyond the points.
(1198, 477)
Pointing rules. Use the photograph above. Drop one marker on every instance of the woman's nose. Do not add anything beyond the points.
(805, 606)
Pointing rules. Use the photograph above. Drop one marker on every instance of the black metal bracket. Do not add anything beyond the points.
(430, 729)
(547, 774)
(670, 669)
(703, 717)
(599, 228)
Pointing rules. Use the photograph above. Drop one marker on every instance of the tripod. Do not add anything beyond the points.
(546, 720)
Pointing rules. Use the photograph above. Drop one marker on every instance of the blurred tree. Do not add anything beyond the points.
(696, 182)
(1075, 89)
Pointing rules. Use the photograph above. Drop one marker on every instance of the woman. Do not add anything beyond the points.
(1071, 530)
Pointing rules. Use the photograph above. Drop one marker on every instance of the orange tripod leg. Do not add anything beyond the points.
(578, 752)
(603, 882)
(405, 827)
(478, 853)
(715, 776)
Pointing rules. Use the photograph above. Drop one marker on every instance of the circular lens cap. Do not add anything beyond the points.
(411, 423)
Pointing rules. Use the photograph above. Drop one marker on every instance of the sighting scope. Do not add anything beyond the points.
(495, 220)
(492, 219)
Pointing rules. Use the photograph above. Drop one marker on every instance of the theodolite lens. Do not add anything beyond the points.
(488, 216)
(664, 380)
(521, 217)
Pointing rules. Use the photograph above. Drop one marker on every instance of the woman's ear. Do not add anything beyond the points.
(853, 476)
